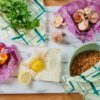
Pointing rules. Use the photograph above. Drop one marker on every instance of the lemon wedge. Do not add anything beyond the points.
(24, 77)
(37, 65)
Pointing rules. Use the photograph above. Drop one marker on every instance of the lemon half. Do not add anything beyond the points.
(37, 65)
(24, 78)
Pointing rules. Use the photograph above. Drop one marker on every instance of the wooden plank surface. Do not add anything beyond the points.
(45, 96)
(41, 97)
(56, 2)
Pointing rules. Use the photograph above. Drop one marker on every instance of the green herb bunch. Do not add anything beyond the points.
(17, 14)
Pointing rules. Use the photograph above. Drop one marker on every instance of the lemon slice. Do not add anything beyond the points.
(24, 78)
(37, 65)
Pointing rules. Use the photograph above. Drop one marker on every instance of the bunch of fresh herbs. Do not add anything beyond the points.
(17, 14)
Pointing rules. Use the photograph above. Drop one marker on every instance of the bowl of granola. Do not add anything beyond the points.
(84, 58)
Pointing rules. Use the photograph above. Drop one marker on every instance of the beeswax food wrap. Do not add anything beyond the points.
(67, 12)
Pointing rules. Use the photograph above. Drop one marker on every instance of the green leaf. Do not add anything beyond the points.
(35, 23)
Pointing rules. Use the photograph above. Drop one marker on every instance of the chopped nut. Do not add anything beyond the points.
(58, 37)
(58, 20)
(78, 17)
(88, 10)
(93, 17)
(84, 25)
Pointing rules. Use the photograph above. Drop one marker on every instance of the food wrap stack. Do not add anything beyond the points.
(87, 84)
(35, 37)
